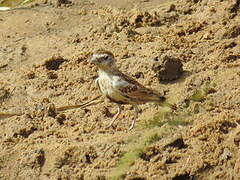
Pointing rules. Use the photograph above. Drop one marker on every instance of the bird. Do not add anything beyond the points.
(118, 87)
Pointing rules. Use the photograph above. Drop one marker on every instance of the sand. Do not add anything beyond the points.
(44, 52)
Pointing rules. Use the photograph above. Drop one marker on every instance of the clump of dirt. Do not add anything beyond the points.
(167, 68)
(4, 93)
(54, 63)
(58, 3)
(193, 135)
(233, 32)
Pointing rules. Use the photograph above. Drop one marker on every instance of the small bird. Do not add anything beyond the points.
(120, 88)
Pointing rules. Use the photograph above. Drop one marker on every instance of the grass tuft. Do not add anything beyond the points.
(8, 4)
(137, 145)
(153, 138)
(125, 162)
(27, 1)
(200, 94)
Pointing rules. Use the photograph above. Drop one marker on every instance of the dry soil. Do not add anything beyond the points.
(44, 52)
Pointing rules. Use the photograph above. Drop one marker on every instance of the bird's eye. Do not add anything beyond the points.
(105, 57)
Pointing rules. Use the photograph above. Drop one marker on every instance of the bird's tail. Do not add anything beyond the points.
(157, 97)
(164, 103)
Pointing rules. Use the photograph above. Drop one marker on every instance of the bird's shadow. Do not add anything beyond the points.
(182, 79)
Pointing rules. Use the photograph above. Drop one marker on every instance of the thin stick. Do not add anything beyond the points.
(7, 115)
(64, 108)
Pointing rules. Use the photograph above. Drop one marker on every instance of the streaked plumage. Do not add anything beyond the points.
(120, 88)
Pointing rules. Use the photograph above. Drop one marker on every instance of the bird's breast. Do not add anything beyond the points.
(108, 86)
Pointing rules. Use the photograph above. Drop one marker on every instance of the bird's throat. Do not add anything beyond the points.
(108, 70)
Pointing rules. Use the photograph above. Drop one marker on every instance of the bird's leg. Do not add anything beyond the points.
(116, 115)
(135, 117)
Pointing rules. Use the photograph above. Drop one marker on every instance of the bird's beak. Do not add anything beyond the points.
(93, 60)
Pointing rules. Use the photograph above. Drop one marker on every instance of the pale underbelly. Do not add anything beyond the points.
(110, 92)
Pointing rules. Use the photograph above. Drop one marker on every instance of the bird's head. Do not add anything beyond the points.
(103, 59)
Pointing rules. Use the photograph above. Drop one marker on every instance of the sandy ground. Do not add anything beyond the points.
(44, 51)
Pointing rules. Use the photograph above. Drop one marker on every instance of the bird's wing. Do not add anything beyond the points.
(137, 92)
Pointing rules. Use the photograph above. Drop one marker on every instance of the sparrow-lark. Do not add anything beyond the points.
(120, 88)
